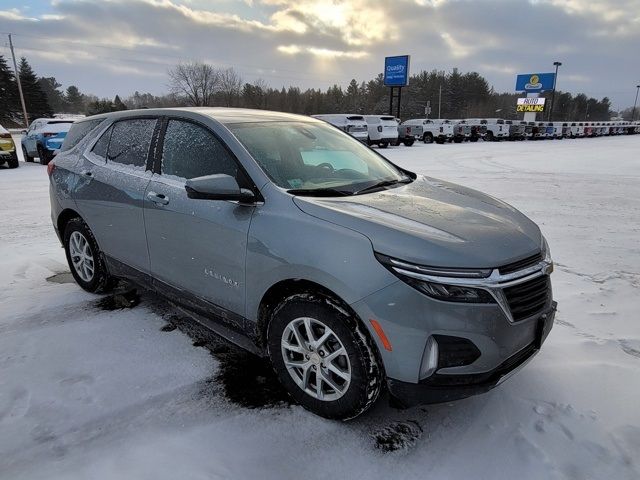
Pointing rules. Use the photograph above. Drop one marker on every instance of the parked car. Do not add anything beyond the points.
(35, 138)
(577, 130)
(8, 153)
(383, 130)
(432, 130)
(406, 134)
(461, 130)
(477, 130)
(516, 129)
(301, 244)
(528, 129)
(588, 129)
(496, 129)
(354, 125)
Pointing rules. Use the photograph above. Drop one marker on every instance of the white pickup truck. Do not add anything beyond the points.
(432, 130)
(496, 128)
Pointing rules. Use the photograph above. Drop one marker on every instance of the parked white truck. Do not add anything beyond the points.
(432, 130)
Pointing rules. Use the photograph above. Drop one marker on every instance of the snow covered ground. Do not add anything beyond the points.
(88, 392)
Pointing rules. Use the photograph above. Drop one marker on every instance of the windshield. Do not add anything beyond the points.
(305, 156)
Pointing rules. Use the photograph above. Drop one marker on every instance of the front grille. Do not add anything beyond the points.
(528, 298)
(520, 264)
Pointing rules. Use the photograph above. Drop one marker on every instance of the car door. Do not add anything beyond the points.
(29, 141)
(196, 246)
(113, 175)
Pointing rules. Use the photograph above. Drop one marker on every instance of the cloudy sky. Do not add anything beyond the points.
(119, 46)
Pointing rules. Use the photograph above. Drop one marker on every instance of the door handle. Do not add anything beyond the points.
(86, 173)
(158, 198)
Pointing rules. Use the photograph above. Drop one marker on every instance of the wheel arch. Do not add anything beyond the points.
(293, 286)
(64, 217)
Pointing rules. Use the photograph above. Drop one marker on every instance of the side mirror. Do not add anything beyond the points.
(218, 187)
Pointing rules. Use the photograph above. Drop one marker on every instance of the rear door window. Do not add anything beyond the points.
(130, 142)
(101, 146)
(191, 151)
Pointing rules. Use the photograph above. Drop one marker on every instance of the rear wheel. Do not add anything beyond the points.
(323, 357)
(489, 136)
(85, 259)
(427, 138)
(26, 156)
(383, 144)
(13, 161)
(408, 142)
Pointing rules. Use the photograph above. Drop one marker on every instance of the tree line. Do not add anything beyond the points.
(453, 94)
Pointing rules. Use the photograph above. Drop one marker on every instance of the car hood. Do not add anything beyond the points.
(433, 222)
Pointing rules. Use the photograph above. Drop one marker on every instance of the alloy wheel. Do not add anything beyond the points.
(81, 256)
(316, 359)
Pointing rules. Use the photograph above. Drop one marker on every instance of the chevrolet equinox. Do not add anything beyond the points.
(292, 239)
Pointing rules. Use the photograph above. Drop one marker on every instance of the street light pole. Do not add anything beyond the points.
(553, 92)
(633, 112)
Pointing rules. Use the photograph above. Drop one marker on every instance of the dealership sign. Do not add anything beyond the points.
(396, 71)
(535, 82)
(530, 105)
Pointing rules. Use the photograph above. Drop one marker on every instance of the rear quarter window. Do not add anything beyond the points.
(78, 132)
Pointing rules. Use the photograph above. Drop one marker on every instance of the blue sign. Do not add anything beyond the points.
(535, 82)
(396, 71)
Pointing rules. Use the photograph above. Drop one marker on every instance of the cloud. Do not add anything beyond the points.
(118, 46)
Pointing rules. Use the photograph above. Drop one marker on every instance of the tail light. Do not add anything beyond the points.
(5, 135)
(48, 134)
(441, 129)
(51, 166)
(380, 128)
(408, 129)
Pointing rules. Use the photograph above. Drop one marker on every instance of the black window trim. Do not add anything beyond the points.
(157, 161)
(154, 136)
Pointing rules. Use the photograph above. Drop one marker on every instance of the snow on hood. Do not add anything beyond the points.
(434, 223)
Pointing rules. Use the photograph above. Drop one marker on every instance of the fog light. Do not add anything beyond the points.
(429, 358)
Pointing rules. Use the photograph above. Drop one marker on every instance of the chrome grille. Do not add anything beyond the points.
(528, 298)
(520, 264)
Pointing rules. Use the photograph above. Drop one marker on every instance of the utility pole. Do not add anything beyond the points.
(633, 112)
(553, 92)
(15, 68)
(439, 100)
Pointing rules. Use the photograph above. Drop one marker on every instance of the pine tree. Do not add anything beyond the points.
(9, 101)
(34, 97)
(55, 97)
(74, 100)
(118, 105)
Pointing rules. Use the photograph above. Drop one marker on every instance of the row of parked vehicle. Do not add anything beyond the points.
(42, 140)
(385, 130)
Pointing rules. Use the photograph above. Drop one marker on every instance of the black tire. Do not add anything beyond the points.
(26, 156)
(408, 143)
(43, 155)
(13, 162)
(101, 281)
(383, 145)
(427, 137)
(489, 136)
(473, 139)
(366, 373)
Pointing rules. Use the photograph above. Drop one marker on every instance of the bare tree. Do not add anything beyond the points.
(197, 81)
(230, 85)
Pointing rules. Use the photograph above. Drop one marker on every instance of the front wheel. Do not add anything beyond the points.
(84, 258)
(323, 357)
(43, 155)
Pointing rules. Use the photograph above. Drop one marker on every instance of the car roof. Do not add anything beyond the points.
(223, 115)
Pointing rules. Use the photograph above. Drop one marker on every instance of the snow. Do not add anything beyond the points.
(90, 393)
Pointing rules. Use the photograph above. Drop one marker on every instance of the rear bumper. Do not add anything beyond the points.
(444, 388)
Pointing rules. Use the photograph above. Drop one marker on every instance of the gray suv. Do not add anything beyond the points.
(290, 238)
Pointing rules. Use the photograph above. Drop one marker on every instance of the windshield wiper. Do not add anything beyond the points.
(382, 184)
(320, 192)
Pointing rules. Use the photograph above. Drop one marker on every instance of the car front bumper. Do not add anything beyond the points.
(441, 388)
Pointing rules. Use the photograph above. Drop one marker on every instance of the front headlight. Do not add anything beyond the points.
(420, 278)
(545, 251)
(449, 293)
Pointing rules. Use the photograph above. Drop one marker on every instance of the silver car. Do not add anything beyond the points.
(292, 239)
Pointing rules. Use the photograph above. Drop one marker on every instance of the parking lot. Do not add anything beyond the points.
(89, 389)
